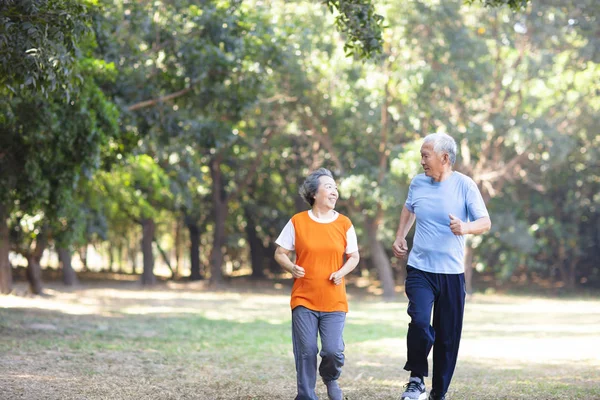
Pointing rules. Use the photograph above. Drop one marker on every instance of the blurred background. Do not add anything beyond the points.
(166, 140)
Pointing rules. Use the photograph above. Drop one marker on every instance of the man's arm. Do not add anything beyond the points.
(407, 219)
(476, 227)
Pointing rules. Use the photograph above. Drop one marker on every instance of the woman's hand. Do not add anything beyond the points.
(282, 256)
(336, 277)
(297, 271)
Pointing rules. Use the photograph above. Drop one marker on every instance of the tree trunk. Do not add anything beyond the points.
(148, 228)
(567, 267)
(165, 257)
(562, 263)
(5, 267)
(34, 270)
(216, 254)
(120, 256)
(194, 229)
(111, 256)
(572, 278)
(132, 252)
(177, 252)
(381, 261)
(257, 249)
(468, 266)
(34, 274)
(68, 273)
(378, 254)
(83, 256)
(220, 215)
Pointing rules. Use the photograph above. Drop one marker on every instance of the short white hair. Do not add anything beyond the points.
(442, 143)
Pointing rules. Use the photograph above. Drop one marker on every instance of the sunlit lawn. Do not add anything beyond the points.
(117, 341)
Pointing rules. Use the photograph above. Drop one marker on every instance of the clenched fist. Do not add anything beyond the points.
(400, 248)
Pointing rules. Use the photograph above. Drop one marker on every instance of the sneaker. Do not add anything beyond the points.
(333, 390)
(415, 390)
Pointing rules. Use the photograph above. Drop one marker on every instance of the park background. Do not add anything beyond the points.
(151, 152)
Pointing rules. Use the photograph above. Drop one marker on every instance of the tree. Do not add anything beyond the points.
(141, 193)
(47, 146)
(39, 42)
(488, 81)
(363, 27)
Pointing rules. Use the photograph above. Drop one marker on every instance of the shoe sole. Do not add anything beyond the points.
(422, 396)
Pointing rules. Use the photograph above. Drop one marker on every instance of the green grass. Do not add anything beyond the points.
(121, 342)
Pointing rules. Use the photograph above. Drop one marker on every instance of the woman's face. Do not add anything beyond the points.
(327, 193)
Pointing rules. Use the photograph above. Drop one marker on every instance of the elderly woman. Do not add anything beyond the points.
(320, 237)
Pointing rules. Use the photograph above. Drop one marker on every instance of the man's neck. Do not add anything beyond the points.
(443, 176)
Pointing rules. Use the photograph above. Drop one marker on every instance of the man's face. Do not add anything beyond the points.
(432, 163)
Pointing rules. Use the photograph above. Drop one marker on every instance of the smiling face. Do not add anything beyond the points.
(327, 193)
(433, 163)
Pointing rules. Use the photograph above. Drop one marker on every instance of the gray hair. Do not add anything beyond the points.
(442, 143)
(309, 188)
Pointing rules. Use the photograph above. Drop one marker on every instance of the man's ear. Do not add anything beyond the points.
(445, 158)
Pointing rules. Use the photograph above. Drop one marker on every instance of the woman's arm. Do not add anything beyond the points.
(282, 256)
(351, 263)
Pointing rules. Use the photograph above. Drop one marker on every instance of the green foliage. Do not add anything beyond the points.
(515, 5)
(50, 147)
(358, 20)
(137, 189)
(407, 163)
(39, 42)
(248, 83)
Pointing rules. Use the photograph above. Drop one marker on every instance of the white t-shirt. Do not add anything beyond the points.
(287, 238)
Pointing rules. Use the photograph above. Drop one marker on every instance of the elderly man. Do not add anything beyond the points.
(446, 205)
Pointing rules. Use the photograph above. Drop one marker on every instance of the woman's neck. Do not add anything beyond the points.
(322, 212)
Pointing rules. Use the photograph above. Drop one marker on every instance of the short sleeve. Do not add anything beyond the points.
(287, 237)
(409, 202)
(351, 240)
(475, 205)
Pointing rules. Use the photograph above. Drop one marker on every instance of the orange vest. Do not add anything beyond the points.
(320, 249)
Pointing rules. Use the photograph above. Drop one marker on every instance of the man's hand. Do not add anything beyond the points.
(297, 271)
(336, 277)
(400, 248)
(457, 227)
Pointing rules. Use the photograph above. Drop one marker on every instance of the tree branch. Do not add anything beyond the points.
(162, 99)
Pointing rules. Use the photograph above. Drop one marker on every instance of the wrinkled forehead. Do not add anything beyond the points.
(324, 180)
(427, 147)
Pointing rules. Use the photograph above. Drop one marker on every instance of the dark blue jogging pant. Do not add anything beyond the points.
(446, 294)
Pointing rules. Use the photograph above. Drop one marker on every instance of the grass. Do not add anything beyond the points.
(186, 341)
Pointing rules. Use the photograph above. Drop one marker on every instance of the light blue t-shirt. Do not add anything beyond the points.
(435, 248)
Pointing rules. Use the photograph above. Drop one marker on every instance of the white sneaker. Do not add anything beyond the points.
(415, 390)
